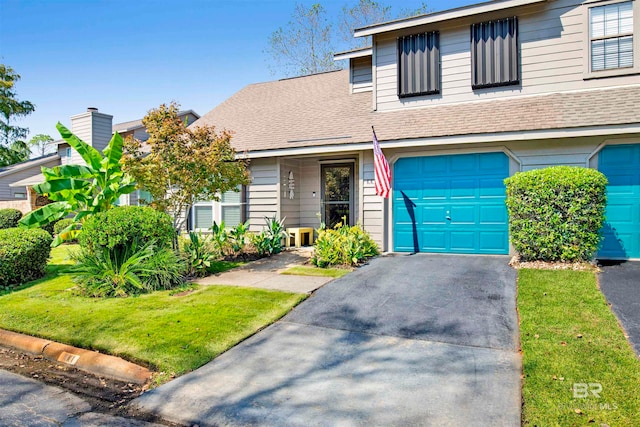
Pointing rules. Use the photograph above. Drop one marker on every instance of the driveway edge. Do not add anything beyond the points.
(85, 360)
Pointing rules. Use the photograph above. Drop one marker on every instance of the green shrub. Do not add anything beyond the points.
(198, 252)
(269, 241)
(9, 218)
(556, 213)
(343, 245)
(124, 226)
(61, 225)
(132, 271)
(23, 255)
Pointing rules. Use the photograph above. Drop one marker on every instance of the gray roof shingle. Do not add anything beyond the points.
(318, 110)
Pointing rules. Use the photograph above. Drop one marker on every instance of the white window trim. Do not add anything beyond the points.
(216, 214)
(588, 74)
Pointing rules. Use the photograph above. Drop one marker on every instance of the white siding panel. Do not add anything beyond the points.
(373, 221)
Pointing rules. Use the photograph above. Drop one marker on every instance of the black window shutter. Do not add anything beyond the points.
(494, 53)
(419, 64)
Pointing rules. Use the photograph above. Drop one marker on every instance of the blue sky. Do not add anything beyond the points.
(128, 56)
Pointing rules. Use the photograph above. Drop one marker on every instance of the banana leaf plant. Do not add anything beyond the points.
(82, 190)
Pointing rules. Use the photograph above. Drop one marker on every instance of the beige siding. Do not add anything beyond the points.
(552, 48)
(373, 205)
(7, 193)
(361, 75)
(309, 184)
(290, 208)
(262, 193)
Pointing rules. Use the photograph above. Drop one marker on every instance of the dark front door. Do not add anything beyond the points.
(337, 194)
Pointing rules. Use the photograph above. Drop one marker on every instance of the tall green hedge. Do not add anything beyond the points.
(23, 255)
(120, 227)
(9, 218)
(556, 213)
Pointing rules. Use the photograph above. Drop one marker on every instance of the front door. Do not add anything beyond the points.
(337, 194)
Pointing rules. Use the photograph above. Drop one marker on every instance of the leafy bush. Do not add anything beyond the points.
(238, 237)
(219, 237)
(269, 241)
(199, 253)
(343, 245)
(61, 225)
(121, 227)
(9, 218)
(23, 255)
(132, 271)
(556, 213)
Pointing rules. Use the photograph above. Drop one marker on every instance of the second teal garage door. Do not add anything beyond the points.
(621, 166)
(451, 204)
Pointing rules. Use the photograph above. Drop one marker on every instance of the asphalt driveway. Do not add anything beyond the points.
(620, 284)
(406, 340)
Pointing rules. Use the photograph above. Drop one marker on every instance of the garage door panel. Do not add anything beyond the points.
(466, 188)
(621, 232)
(463, 214)
(433, 215)
(492, 241)
(463, 241)
(496, 214)
(461, 207)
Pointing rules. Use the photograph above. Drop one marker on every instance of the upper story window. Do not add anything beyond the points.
(494, 53)
(67, 152)
(611, 36)
(419, 64)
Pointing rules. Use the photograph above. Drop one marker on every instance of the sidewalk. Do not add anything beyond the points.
(266, 273)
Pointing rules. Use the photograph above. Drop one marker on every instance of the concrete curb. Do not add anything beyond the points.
(86, 360)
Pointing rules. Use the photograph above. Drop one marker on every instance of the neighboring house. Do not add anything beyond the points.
(460, 100)
(92, 127)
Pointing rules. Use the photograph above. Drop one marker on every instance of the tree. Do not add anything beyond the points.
(10, 108)
(180, 166)
(365, 12)
(15, 152)
(42, 144)
(81, 189)
(308, 42)
(305, 46)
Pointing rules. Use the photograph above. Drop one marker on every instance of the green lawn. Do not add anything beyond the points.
(303, 270)
(570, 336)
(172, 334)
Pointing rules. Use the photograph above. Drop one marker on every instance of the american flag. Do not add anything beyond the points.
(381, 169)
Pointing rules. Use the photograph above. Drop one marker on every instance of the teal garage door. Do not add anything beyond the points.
(621, 165)
(451, 204)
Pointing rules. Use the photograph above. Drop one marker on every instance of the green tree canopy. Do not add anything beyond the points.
(41, 145)
(12, 148)
(180, 166)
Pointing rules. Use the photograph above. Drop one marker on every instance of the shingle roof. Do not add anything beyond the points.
(16, 167)
(136, 124)
(318, 110)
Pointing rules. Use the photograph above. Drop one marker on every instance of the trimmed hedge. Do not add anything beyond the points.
(126, 226)
(9, 218)
(556, 213)
(23, 255)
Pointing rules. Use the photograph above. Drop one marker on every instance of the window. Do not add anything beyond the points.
(611, 36)
(494, 53)
(67, 152)
(232, 207)
(20, 195)
(419, 64)
(202, 217)
(144, 198)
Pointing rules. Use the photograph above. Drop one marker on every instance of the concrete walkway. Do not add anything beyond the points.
(620, 284)
(267, 273)
(406, 340)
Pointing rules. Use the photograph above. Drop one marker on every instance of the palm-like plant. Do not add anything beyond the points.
(81, 189)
